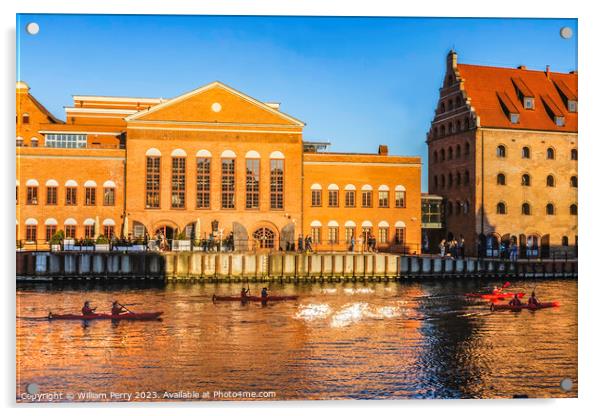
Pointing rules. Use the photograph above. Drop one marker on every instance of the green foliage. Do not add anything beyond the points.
(181, 236)
(58, 237)
(102, 240)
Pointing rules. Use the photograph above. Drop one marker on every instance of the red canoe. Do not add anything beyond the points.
(541, 305)
(497, 296)
(270, 298)
(130, 316)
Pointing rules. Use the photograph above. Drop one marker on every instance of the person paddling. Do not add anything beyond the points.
(86, 309)
(117, 309)
(533, 301)
(244, 292)
(264, 293)
(495, 290)
(515, 301)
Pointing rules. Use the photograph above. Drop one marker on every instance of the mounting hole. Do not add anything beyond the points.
(566, 384)
(566, 32)
(32, 28)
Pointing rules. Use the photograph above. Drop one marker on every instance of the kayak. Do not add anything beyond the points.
(496, 296)
(270, 298)
(130, 316)
(541, 305)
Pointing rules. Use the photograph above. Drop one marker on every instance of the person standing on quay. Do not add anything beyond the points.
(300, 243)
(442, 247)
(352, 246)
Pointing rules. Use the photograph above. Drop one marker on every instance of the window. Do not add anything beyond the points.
(68, 141)
(466, 207)
(526, 180)
(550, 181)
(573, 182)
(436, 181)
(153, 181)
(526, 153)
(108, 196)
(466, 178)
(70, 231)
(265, 237)
(50, 231)
(316, 197)
(450, 180)
(25, 118)
(467, 149)
(349, 234)
(573, 209)
(19, 142)
(458, 151)
(573, 154)
(109, 231)
(383, 235)
(51, 195)
(572, 105)
(333, 235)
(442, 181)
(203, 182)
(400, 235)
(89, 231)
(383, 199)
(501, 208)
(400, 199)
(550, 209)
(442, 155)
(252, 184)
(366, 199)
(550, 153)
(529, 103)
(316, 235)
(228, 183)
(178, 182)
(466, 123)
(350, 199)
(559, 121)
(90, 196)
(458, 207)
(34, 142)
(565, 241)
(32, 195)
(31, 232)
(526, 209)
(70, 195)
(501, 151)
(514, 118)
(277, 184)
(450, 153)
(333, 198)
(435, 156)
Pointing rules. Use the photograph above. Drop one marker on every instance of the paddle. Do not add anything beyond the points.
(506, 285)
(127, 310)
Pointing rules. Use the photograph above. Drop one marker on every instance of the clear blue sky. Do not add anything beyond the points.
(356, 82)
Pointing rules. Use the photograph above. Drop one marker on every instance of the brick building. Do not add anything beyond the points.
(207, 163)
(503, 154)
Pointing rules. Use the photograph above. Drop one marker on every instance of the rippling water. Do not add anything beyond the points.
(338, 341)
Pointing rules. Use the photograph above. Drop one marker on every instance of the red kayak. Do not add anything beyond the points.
(130, 316)
(541, 305)
(270, 298)
(496, 296)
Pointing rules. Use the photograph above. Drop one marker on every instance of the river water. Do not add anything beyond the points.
(337, 341)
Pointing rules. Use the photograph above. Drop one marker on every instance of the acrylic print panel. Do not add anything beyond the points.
(220, 208)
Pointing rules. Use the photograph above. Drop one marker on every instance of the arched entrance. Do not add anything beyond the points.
(492, 245)
(264, 237)
(530, 245)
(166, 231)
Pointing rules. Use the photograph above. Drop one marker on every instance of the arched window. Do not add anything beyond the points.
(450, 104)
(450, 153)
(442, 107)
(466, 177)
(442, 181)
(435, 156)
(458, 125)
(526, 152)
(501, 208)
(19, 141)
(573, 154)
(458, 151)
(565, 241)
(573, 209)
(526, 209)
(442, 155)
(467, 149)
(264, 237)
(526, 180)
(458, 101)
(573, 181)
(458, 179)
(442, 130)
(466, 123)
(501, 151)
(450, 127)
(458, 207)
(550, 153)
(436, 181)
(501, 179)
(450, 180)
(550, 181)
(550, 210)
(450, 208)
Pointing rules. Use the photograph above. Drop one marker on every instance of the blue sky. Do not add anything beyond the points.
(356, 82)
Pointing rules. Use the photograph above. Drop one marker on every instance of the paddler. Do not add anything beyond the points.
(264, 293)
(495, 290)
(117, 308)
(515, 301)
(86, 309)
(533, 301)
(244, 293)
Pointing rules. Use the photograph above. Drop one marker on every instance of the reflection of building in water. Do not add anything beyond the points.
(210, 163)
(503, 154)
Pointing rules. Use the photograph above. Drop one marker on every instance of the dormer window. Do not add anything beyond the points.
(514, 118)
(559, 120)
(572, 105)
(529, 103)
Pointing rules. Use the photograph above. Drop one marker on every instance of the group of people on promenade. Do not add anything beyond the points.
(454, 248)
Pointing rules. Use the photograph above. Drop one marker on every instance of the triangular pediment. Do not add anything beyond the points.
(215, 103)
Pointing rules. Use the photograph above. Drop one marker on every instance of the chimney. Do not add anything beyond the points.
(383, 150)
(521, 67)
(548, 71)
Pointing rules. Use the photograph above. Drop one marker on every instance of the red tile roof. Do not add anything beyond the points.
(491, 88)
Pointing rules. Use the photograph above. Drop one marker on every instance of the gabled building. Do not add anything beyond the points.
(503, 154)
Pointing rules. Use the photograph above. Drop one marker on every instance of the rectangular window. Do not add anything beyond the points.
(400, 235)
(228, 183)
(90, 196)
(400, 199)
(203, 182)
(69, 231)
(349, 234)
(32, 195)
(109, 230)
(383, 199)
(50, 231)
(252, 191)
(277, 184)
(383, 235)
(153, 181)
(70, 195)
(178, 182)
(108, 198)
(333, 235)
(316, 197)
(31, 232)
(333, 198)
(315, 235)
(68, 141)
(350, 199)
(51, 195)
(366, 199)
(89, 231)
